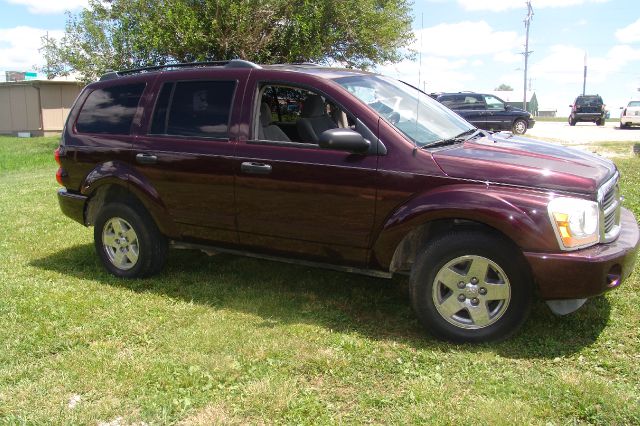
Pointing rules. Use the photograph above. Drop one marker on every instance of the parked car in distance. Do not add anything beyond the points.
(367, 175)
(588, 108)
(487, 112)
(630, 115)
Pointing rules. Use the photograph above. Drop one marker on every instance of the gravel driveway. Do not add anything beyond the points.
(582, 133)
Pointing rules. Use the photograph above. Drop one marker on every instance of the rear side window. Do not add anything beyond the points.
(110, 110)
(194, 108)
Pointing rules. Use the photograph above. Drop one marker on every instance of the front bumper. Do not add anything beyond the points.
(72, 205)
(588, 272)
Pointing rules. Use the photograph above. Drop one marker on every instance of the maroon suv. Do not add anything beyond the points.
(347, 170)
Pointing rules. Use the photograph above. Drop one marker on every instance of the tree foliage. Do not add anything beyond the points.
(504, 88)
(121, 34)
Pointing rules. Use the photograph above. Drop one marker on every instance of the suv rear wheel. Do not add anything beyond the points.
(572, 121)
(128, 241)
(600, 122)
(468, 287)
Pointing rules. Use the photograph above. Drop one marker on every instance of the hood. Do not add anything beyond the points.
(502, 158)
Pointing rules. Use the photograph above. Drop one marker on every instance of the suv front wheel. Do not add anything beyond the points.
(519, 127)
(468, 287)
(128, 241)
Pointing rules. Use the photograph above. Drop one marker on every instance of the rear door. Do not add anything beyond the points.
(186, 150)
(469, 106)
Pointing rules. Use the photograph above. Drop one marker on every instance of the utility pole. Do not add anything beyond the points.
(527, 52)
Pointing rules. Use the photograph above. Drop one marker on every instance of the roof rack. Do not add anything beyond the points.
(233, 63)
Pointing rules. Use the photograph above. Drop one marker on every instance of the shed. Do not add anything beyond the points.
(39, 107)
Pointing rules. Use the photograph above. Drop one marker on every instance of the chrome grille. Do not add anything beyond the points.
(609, 202)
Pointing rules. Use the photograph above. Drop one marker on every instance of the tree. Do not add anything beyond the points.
(504, 87)
(121, 34)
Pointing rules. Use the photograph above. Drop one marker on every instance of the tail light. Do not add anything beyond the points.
(61, 173)
(56, 155)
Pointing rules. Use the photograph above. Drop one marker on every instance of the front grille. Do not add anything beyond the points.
(609, 201)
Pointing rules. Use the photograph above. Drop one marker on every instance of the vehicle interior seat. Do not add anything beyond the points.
(314, 119)
(267, 130)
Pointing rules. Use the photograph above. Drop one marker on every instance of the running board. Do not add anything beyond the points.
(213, 249)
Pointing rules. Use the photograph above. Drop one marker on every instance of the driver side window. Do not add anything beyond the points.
(293, 114)
(494, 103)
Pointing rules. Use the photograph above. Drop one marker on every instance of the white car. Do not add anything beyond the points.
(630, 114)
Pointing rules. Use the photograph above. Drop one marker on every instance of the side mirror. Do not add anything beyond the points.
(507, 107)
(344, 140)
(621, 107)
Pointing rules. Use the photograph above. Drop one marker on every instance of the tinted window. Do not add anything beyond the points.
(588, 100)
(110, 110)
(195, 108)
(463, 101)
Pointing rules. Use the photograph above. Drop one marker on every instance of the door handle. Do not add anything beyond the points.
(146, 158)
(255, 168)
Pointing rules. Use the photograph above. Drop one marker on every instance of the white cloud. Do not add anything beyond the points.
(463, 39)
(630, 33)
(436, 74)
(502, 5)
(19, 47)
(565, 64)
(55, 6)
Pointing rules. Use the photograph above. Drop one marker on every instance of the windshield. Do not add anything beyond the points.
(634, 104)
(419, 117)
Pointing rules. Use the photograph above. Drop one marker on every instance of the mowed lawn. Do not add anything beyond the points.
(226, 339)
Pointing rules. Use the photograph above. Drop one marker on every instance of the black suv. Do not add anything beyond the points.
(487, 112)
(588, 108)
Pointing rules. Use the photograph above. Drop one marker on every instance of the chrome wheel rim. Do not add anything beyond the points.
(471, 292)
(520, 127)
(120, 243)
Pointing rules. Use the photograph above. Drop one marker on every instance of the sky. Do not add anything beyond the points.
(460, 45)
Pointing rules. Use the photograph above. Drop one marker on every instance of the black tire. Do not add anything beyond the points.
(149, 248)
(600, 122)
(504, 317)
(572, 121)
(519, 127)
(624, 126)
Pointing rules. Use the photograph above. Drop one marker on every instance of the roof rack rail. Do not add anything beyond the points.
(233, 63)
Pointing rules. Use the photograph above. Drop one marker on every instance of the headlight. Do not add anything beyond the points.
(575, 221)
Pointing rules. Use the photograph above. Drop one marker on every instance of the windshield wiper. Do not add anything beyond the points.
(462, 137)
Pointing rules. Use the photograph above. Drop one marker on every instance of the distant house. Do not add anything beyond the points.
(38, 107)
(514, 98)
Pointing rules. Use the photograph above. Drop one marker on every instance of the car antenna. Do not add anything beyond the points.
(415, 143)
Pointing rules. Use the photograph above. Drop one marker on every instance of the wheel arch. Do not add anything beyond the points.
(115, 181)
(410, 227)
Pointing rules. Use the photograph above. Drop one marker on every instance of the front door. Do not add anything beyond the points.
(292, 196)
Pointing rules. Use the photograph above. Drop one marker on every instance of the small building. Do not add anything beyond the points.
(547, 112)
(514, 99)
(38, 107)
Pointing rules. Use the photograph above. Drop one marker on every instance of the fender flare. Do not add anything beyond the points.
(122, 175)
(520, 215)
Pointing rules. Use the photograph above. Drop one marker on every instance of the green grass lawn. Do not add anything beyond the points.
(226, 339)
